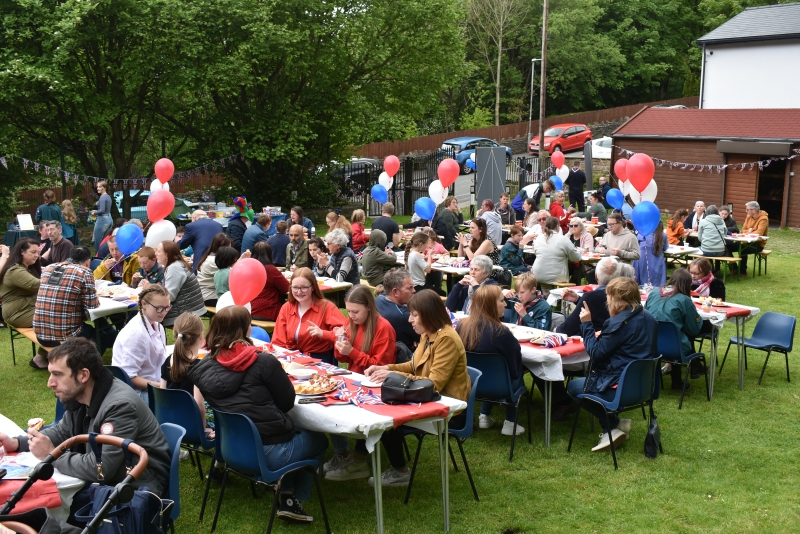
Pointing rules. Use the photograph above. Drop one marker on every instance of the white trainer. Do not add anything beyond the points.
(485, 421)
(617, 435)
(508, 428)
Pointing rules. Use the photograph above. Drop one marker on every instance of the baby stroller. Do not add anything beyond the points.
(110, 501)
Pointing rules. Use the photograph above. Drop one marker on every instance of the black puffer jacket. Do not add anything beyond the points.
(262, 392)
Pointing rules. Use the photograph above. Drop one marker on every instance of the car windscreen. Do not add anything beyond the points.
(450, 146)
(553, 132)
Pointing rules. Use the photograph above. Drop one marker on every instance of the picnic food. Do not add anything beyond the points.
(317, 384)
(711, 301)
(36, 423)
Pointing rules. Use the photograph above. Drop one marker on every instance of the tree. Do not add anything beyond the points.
(495, 24)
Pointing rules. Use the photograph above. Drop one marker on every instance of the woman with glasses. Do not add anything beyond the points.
(582, 240)
(307, 320)
(140, 347)
(553, 253)
(181, 283)
(342, 265)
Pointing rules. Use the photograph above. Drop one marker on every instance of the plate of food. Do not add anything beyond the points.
(317, 385)
(711, 301)
(301, 374)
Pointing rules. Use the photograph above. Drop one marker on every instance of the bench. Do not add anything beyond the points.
(727, 260)
(762, 256)
(269, 326)
(15, 333)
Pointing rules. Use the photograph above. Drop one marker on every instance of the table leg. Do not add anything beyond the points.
(740, 351)
(376, 474)
(548, 402)
(441, 430)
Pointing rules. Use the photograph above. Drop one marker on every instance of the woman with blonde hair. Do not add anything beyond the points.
(482, 332)
(336, 221)
(360, 239)
(236, 377)
(307, 320)
(70, 223)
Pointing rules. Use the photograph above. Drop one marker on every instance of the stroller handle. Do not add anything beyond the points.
(138, 450)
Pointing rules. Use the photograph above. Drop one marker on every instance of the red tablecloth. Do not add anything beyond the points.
(42, 493)
(729, 311)
(564, 350)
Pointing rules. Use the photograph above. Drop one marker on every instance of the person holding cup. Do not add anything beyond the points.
(596, 209)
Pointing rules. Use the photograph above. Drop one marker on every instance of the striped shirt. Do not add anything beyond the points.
(60, 308)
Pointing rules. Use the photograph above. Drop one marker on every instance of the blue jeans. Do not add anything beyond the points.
(575, 388)
(304, 445)
(101, 226)
(511, 411)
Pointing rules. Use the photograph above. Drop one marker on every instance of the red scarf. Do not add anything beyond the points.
(238, 358)
(704, 284)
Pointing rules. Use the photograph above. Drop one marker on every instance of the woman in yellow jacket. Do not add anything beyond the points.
(440, 357)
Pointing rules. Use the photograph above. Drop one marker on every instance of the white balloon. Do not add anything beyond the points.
(162, 230)
(226, 299)
(472, 156)
(650, 192)
(437, 192)
(385, 180)
(156, 185)
(563, 172)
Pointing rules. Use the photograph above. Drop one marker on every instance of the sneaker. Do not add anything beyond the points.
(392, 477)
(485, 421)
(292, 510)
(334, 463)
(349, 469)
(617, 435)
(508, 429)
(184, 454)
(625, 426)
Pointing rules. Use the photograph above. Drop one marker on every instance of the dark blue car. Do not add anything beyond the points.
(464, 147)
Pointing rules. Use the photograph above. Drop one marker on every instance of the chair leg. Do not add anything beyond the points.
(321, 502)
(514, 431)
(452, 457)
(530, 431)
(414, 468)
(744, 351)
(769, 351)
(199, 463)
(574, 426)
(644, 415)
(13, 352)
(405, 446)
(466, 468)
(205, 494)
(708, 391)
(787, 360)
(275, 499)
(724, 358)
(685, 383)
(219, 500)
(611, 441)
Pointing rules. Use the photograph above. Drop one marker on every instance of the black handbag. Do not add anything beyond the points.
(652, 441)
(399, 389)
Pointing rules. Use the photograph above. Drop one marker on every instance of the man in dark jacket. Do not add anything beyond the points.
(607, 269)
(576, 181)
(605, 187)
(398, 289)
(96, 402)
(236, 229)
(199, 234)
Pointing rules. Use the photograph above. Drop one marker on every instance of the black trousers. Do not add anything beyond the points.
(576, 198)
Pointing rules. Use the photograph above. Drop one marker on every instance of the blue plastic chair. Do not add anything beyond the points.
(635, 389)
(95, 263)
(461, 435)
(120, 374)
(496, 387)
(669, 347)
(179, 407)
(174, 435)
(773, 332)
(239, 445)
(60, 409)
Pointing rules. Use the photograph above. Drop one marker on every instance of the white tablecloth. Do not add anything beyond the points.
(674, 250)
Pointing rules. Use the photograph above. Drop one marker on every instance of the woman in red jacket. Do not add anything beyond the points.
(307, 320)
(267, 304)
(360, 239)
(557, 211)
(370, 341)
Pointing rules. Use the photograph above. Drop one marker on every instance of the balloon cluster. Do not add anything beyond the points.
(562, 171)
(380, 191)
(160, 204)
(636, 180)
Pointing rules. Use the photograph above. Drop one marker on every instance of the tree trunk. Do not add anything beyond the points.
(497, 81)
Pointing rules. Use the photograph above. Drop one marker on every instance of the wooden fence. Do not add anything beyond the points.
(509, 131)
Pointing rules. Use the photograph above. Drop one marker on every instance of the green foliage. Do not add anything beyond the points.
(479, 118)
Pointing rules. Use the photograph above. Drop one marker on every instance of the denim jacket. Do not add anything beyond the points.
(627, 336)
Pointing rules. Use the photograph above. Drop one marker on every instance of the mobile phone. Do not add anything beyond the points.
(3, 473)
(311, 400)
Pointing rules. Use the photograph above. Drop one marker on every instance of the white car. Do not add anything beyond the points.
(601, 148)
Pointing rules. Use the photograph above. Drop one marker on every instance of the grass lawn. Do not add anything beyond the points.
(730, 465)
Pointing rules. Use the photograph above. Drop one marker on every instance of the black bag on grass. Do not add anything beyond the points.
(652, 441)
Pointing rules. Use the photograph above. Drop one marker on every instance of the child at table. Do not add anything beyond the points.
(188, 330)
(418, 260)
(225, 259)
(367, 340)
(527, 307)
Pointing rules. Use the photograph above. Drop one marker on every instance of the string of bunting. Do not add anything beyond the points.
(714, 167)
(133, 181)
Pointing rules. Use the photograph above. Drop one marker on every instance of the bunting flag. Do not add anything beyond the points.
(133, 179)
(762, 164)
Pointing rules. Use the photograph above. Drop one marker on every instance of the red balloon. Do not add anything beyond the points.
(391, 165)
(246, 280)
(557, 159)
(159, 205)
(164, 170)
(621, 169)
(640, 171)
(448, 172)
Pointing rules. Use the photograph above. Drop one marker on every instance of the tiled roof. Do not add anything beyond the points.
(763, 23)
(777, 124)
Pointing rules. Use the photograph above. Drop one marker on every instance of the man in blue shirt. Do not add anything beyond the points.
(257, 232)
(278, 243)
(199, 234)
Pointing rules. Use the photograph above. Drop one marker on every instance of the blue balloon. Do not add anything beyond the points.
(471, 164)
(425, 207)
(557, 182)
(259, 333)
(129, 238)
(380, 193)
(646, 217)
(615, 198)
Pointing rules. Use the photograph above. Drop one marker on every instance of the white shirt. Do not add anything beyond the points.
(139, 350)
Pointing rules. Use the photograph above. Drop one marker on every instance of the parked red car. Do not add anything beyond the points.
(562, 138)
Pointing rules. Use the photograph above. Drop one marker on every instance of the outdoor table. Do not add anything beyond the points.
(353, 421)
(746, 239)
(586, 257)
(67, 485)
(676, 251)
(12, 236)
(454, 273)
(109, 306)
(326, 285)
